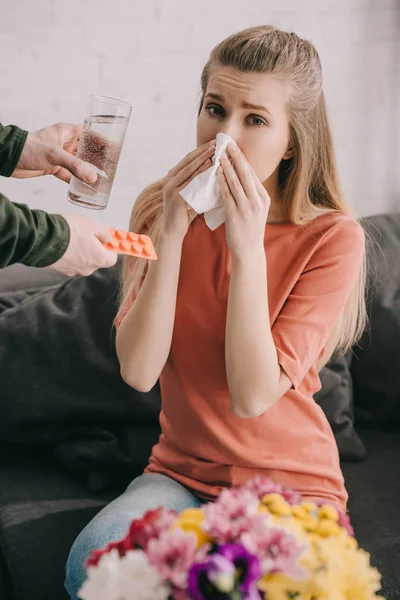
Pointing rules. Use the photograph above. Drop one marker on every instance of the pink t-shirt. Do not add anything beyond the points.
(311, 270)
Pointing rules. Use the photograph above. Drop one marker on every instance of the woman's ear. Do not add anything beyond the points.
(288, 154)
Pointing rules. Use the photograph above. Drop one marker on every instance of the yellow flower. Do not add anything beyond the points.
(280, 587)
(299, 511)
(328, 512)
(310, 524)
(361, 580)
(309, 506)
(351, 543)
(326, 528)
(190, 521)
(276, 504)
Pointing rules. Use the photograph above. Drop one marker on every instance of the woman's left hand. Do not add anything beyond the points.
(246, 204)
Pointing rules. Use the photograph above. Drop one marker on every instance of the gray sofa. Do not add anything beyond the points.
(72, 434)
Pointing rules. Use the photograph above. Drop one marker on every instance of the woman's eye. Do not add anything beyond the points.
(257, 121)
(214, 110)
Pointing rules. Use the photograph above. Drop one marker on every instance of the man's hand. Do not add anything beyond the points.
(51, 151)
(85, 252)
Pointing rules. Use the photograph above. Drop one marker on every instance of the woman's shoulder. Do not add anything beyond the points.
(335, 227)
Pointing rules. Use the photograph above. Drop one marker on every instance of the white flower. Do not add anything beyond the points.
(103, 581)
(139, 580)
(124, 578)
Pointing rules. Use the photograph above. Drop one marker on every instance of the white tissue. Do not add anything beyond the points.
(203, 193)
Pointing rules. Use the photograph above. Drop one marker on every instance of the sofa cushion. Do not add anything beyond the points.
(376, 364)
(61, 384)
(19, 277)
(18, 282)
(336, 400)
(42, 511)
(374, 500)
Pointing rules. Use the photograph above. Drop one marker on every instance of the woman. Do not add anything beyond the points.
(237, 322)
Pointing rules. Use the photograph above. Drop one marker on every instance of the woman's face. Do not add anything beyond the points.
(251, 109)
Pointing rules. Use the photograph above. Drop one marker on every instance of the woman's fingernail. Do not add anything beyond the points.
(232, 146)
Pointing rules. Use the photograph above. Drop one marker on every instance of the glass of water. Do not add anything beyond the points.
(100, 144)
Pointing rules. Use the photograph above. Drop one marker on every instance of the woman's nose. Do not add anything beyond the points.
(231, 129)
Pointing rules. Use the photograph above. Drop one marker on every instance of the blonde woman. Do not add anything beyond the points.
(237, 322)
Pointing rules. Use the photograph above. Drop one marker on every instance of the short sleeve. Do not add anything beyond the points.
(310, 313)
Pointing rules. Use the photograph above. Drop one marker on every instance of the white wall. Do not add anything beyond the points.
(54, 53)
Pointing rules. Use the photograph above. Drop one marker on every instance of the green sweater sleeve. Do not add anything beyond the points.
(31, 237)
(12, 140)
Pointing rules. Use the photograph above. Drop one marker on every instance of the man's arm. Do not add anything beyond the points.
(71, 245)
(30, 237)
(12, 141)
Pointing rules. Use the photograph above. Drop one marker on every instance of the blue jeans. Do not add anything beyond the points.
(112, 523)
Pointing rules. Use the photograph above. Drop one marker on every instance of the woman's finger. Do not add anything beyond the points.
(244, 171)
(190, 157)
(262, 192)
(234, 184)
(187, 172)
(206, 165)
(228, 200)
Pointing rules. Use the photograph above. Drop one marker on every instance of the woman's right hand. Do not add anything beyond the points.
(177, 214)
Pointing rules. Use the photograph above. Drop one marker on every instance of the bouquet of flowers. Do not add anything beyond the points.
(256, 542)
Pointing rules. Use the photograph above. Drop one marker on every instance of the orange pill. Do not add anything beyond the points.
(136, 247)
(132, 244)
(147, 251)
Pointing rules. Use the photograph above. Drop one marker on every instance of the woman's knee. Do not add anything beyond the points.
(112, 523)
(94, 536)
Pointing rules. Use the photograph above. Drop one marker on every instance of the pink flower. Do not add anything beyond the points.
(261, 486)
(277, 550)
(344, 521)
(291, 496)
(172, 555)
(180, 595)
(141, 531)
(230, 515)
(96, 555)
(150, 527)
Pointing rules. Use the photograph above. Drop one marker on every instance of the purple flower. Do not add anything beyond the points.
(230, 571)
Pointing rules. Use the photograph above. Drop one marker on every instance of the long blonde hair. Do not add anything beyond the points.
(308, 182)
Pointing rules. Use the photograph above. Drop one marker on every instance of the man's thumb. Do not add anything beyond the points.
(103, 233)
